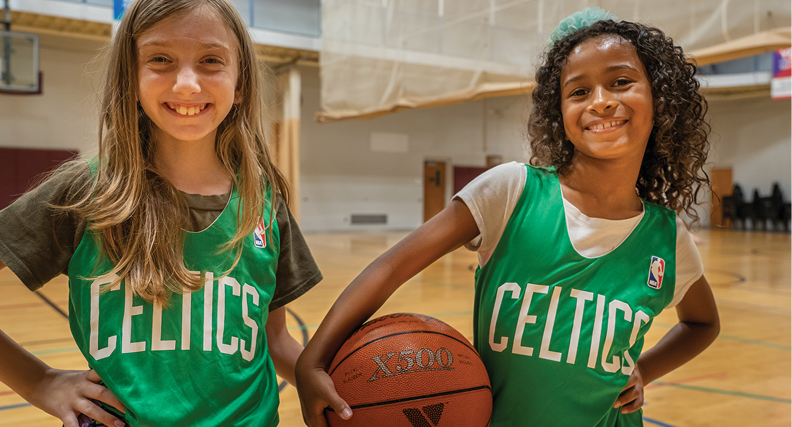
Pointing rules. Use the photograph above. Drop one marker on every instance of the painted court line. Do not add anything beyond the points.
(655, 384)
(18, 405)
(739, 339)
(727, 392)
(655, 422)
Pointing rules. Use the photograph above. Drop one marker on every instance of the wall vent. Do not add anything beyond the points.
(369, 219)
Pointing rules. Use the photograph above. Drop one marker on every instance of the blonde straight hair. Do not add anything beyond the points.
(140, 215)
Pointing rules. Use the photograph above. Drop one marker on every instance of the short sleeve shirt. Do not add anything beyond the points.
(493, 195)
(37, 240)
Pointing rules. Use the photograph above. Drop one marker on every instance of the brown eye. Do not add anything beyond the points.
(622, 82)
(579, 92)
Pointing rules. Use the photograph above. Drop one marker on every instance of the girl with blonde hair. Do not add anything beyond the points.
(179, 246)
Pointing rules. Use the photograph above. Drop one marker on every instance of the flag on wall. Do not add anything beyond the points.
(781, 84)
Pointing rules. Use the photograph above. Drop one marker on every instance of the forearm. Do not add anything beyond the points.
(284, 352)
(450, 229)
(698, 327)
(19, 369)
(681, 344)
(356, 304)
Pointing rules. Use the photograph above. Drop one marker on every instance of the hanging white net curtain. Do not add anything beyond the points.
(381, 56)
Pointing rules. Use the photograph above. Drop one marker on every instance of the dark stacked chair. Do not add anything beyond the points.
(735, 209)
(765, 213)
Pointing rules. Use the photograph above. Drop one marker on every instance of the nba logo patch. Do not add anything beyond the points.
(259, 235)
(656, 270)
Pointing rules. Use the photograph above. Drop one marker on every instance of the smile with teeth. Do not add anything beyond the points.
(185, 110)
(602, 126)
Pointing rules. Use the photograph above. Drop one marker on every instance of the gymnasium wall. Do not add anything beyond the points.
(752, 137)
(341, 175)
(64, 116)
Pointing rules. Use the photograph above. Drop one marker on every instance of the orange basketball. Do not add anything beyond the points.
(410, 370)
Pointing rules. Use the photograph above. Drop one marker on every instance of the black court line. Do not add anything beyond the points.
(738, 278)
(772, 251)
(304, 330)
(51, 304)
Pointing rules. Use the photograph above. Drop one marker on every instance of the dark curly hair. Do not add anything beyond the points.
(672, 171)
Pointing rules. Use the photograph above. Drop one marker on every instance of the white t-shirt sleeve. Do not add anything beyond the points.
(688, 263)
(491, 198)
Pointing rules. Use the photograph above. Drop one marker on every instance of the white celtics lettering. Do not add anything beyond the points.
(227, 317)
(599, 352)
(96, 352)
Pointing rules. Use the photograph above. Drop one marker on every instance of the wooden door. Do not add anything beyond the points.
(721, 186)
(434, 188)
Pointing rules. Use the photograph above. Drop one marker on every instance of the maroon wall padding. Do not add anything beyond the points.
(464, 174)
(21, 169)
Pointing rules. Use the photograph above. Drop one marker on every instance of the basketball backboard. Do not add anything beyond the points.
(19, 63)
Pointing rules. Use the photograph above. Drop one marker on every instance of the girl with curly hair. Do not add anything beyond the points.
(577, 252)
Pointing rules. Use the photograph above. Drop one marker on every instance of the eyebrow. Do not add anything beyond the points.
(166, 43)
(609, 69)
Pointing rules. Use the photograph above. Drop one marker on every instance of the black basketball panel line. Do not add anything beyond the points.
(410, 399)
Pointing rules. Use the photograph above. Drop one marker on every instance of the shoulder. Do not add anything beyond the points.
(66, 184)
(506, 174)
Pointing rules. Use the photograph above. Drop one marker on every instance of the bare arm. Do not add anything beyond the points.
(698, 327)
(450, 229)
(63, 394)
(283, 348)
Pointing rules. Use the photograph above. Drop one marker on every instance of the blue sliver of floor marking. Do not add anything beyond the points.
(659, 423)
(18, 405)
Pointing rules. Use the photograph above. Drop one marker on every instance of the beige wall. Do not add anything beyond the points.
(340, 173)
(64, 116)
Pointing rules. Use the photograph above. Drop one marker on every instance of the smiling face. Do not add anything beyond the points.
(187, 71)
(606, 99)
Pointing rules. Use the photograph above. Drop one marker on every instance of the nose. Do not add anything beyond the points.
(187, 81)
(602, 100)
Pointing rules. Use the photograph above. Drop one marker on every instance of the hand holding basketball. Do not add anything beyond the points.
(316, 392)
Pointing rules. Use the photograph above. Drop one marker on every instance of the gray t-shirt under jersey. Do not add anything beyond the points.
(37, 241)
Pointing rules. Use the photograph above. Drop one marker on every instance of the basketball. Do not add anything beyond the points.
(410, 370)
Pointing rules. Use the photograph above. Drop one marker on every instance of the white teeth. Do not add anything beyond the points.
(606, 125)
(186, 111)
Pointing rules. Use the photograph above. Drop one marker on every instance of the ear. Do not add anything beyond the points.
(237, 96)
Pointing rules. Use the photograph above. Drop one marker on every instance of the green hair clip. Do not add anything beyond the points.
(578, 20)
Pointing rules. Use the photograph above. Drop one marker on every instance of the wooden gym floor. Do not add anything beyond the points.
(743, 379)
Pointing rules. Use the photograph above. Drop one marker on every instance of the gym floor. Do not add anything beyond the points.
(743, 379)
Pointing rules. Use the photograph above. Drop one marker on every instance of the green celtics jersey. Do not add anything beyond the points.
(560, 333)
(203, 359)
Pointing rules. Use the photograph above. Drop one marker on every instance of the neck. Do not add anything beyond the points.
(192, 166)
(602, 188)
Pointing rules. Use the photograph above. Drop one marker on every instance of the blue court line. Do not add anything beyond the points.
(660, 423)
(739, 339)
(18, 405)
(726, 392)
